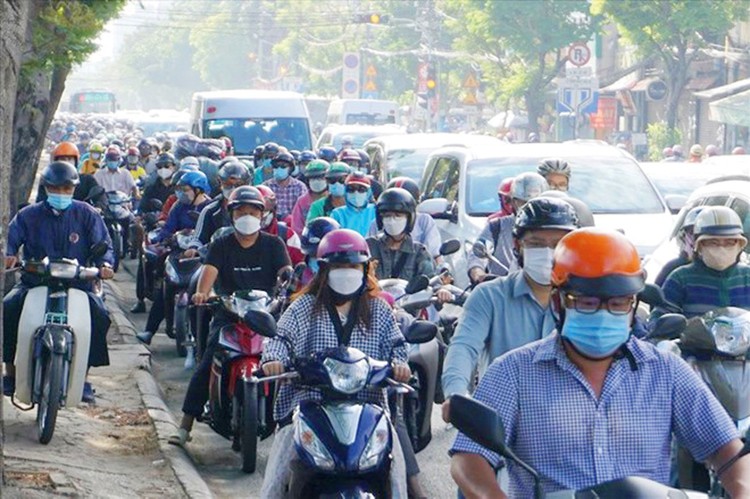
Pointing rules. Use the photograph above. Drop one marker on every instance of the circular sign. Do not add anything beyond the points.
(579, 53)
(351, 60)
(656, 90)
(350, 86)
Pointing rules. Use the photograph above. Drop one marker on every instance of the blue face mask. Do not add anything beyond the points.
(281, 174)
(357, 199)
(337, 189)
(266, 163)
(184, 197)
(59, 201)
(598, 335)
(113, 165)
(312, 264)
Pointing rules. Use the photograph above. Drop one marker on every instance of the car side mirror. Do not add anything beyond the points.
(675, 202)
(437, 208)
(420, 332)
(261, 322)
(450, 246)
(416, 284)
(479, 422)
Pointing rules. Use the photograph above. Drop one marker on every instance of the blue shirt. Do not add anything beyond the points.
(357, 220)
(180, 218)
(554, 422)
(498, 316)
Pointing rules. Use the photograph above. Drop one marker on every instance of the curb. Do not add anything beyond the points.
(179, 460)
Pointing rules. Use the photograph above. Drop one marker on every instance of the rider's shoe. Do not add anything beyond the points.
(138, 308)
(180, 438)
(9, 386)
(145, 337)
(88, 393)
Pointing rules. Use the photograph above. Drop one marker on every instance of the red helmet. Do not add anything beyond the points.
(350, 155)
(343, 246)
(358, 178)
(133, 151)
(268, 196)
(405, 183)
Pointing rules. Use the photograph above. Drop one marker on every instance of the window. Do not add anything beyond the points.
(436, 185)
(249, 133)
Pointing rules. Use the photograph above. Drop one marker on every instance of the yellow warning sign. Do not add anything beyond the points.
(370, 86)
(371, 71)
(471, 81)
(470, 99)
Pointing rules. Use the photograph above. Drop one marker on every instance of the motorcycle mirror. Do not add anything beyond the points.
(261, 322)
(285, 273)
(668, 326)
(418, 283)
(98, 250)
(479, 422)
(481, 248)
(95, 192)
(652, 295)
(450, 246)
(420, 332)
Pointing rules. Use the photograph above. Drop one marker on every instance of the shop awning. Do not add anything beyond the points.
(701, 82)
(642, 85)
(724, 90)
(624, 83)
(732, 110)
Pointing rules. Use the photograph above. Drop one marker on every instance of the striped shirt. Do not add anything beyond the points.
(697, 289)
(310, 330)
(554, 421)
(286, 195)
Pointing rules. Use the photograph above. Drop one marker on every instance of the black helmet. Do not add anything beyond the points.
(545, 213)
(283, 158)
(397, 200)
(234, 169)
(246, 195)
(271, 149)
(314, 232)
(585, 217)
(405, 183)
(60, 173)
(164, 159)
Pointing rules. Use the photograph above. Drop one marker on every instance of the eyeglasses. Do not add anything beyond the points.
(720, 243)
(332, 181)
(280, 165)
(356, 188)
(616, 305)
(539, 244)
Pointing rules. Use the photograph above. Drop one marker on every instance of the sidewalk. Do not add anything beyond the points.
(116, 448)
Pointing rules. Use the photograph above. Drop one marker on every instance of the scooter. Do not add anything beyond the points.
(343, 444)
(238, 409)
(482, 424)
(149, 252)
(54, 337)
(178, 273)
(116, 209)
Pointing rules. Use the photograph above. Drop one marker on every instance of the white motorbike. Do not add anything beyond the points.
(54, 338)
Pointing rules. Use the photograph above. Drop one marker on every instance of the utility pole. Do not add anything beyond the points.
(425, 23)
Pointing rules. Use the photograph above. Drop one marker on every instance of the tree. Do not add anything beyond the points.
(674, 30)
(525, 40)
(62, 34)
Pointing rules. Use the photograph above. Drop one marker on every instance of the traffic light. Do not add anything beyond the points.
(431, 82)
(371, 18)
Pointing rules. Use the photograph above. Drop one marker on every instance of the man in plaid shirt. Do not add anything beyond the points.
(287, 188)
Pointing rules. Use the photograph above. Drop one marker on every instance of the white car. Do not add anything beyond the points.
(333, 135)
(406, 154)
(459, 189)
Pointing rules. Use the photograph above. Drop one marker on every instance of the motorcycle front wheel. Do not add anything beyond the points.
(52, 385)
(248, 427)
(117, 246)
(181, 324)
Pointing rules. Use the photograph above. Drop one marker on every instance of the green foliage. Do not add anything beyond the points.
(661, 136)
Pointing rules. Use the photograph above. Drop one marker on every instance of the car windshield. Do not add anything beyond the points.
(606, 185)
(358, 138)
(407, 163)
(683, 178)
(249, 133)
(370, 119)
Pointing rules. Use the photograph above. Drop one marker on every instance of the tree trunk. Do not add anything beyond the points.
(534, 99)
(36, 101)
(14, 22)
(677, 79)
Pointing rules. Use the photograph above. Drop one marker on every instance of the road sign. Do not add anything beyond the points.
(470, 99)
(350, 76)
(371, 71)
(471, 81)
(578, 95)
(579, 53)
(369, 95)
(606, 114)
(370, 86)
(579, 73)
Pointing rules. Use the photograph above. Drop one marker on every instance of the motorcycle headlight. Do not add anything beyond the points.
(153, 235)
(345, 377)
(309, 442)
(732, 334)
(184, 240)
(172, 272)
(377, 444)
(61, 270)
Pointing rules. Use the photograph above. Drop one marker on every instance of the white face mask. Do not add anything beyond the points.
(247, 225)
(537, 264)
(719, 257)
(394, 226)
(318, 185)
(164, 173)
(345, 281)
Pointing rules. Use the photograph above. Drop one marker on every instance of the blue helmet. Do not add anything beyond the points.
(196, 180)
(307, 156)
(314, 232)
(327, 153)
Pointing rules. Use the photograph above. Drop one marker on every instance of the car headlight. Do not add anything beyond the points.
(732, 334)
(347, 377)
(377, 444)
(63, 270)
(172, 272)
(308, 441)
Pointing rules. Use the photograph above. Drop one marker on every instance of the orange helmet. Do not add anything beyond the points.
(65, 150)
(597, 262)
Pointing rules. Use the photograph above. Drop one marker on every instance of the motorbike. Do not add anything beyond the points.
(54, 337)
(238, 409)
(179, 272)
(343, 444)
(116, 208)
(149, 252)
(482, 424)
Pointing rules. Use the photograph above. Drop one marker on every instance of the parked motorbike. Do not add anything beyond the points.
(237, 408)
(343, 444)
(54, 337)
(483, 425)
(178, 273)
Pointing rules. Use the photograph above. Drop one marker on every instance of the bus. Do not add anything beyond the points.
(93, 101)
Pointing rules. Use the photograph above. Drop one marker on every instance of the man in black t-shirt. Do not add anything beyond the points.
(243, 260)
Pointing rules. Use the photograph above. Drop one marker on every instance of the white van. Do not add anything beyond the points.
(362, 112)
(251, 118)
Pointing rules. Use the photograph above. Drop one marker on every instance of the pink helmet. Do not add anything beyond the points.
(712, 150)
(738, 150)
(343, 246)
